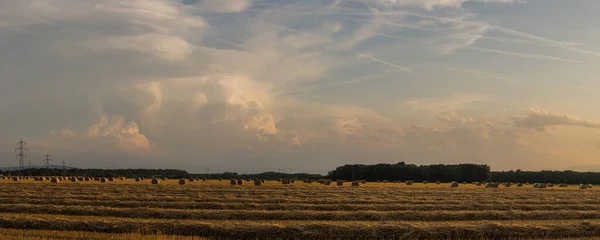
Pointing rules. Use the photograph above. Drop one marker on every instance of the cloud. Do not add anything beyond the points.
(157, 27)
(585, 88)
(109, 133)
(444, 104)
(224, 5)
(433, 4)
(523, 55)
(541, 120)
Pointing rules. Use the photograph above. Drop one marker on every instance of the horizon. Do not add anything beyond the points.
(302, 86)
(6, 168)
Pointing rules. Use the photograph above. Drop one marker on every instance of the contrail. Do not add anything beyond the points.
(404, 69)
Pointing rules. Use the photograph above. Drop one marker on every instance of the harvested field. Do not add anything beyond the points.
(216, 209)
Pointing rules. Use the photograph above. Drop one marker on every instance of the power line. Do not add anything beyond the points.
(47, 160)
(64, 168)
(21, 155)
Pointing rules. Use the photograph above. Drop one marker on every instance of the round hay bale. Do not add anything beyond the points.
(385, 181)
(583, 186)
(327, 182)
(73, 179)
(182, 181)
(55, 180)
(122, 178)
(142, 178)
(61, 178)
(155, 181)
(257, 182)
(240, 182)
(233, 182)
(111, 179)
(589, 185)
(437, 182)
(363, 182)
(220, 179)
(550, 185)
(285, 181)
(192, 180)
(103, 180)
(409, 182)
(137, 179)
(16, 179)
(355, 184)
(519, 185)
(507, 184)
(205, 179)
(491, 185)
(454, 184)
(340, 182)
(81, 179)
(563, 185)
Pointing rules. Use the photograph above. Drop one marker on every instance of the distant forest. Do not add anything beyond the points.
(570, 177)
(148, 173)
(377, 172)
(403, 172)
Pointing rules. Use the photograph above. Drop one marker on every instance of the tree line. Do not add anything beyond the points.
(569, 177)
(148, 173)
(383, 171)
(96, 172)
(265, 175)
(403, 172)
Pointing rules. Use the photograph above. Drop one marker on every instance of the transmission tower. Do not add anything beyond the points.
(64, 167)
(21, 149)
(47, 160)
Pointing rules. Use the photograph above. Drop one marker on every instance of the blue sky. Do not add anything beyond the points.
(257, 85)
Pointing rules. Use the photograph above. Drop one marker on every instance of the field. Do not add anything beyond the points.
(126, 209)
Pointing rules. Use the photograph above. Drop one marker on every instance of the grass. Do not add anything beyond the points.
(126, 209)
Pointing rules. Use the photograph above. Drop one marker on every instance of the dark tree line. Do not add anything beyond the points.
(129, 173)
(569, 177)
(402, 172)
(147, 173)
(265, 175)
(383, 171)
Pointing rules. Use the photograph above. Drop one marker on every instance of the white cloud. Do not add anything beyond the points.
(225, 5)
(109, 133)
(542, 120)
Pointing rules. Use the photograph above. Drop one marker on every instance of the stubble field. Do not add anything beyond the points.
(126, 209)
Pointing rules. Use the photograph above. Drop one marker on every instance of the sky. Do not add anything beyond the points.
(301, 86)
